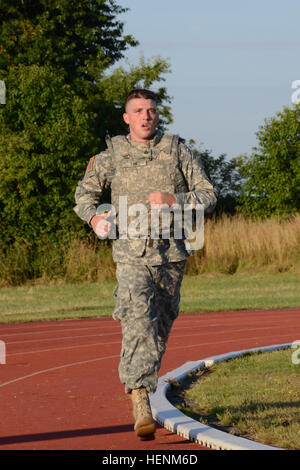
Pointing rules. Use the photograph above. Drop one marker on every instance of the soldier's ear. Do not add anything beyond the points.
(125, 117)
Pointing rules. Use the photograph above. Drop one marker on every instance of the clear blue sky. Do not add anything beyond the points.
(233, 63)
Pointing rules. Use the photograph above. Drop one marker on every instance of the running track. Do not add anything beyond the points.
(60, 389)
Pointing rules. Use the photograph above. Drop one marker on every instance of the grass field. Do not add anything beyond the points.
(205, 293)
(256, 396)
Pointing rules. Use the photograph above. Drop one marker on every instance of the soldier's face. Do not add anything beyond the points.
(142, 117)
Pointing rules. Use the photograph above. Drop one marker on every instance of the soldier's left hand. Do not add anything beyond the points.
(160, 198)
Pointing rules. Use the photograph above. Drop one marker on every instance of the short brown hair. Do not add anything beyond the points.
(140, 93)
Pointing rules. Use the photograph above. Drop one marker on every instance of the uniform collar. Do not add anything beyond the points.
(146, 145)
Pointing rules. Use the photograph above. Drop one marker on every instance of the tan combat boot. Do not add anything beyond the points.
(144, 423)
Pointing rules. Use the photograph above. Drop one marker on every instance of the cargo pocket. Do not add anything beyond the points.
(123, 299)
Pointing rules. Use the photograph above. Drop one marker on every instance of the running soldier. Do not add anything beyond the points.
(148, 168)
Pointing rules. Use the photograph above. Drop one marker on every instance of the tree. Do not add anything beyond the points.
(44, 131)
(80, 38)
(62, 96)
(272, 173)
(224, 176)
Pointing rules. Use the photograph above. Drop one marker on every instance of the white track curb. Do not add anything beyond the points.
(175, 421)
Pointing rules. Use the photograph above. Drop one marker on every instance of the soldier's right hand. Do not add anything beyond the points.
(100, 226)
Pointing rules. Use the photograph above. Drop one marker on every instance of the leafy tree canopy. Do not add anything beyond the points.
(271, 175)
(64, 91)
(81, 38)
(224, 175)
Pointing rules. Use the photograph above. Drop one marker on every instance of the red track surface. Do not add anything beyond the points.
(60, 387)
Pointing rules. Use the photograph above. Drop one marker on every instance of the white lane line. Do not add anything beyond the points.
(230, 323)
(203, 333)
(197, 317)
(201, 344)
(93, 344)
(116, 325)
(60, 338)
(227, 341)
(173, 337)
(39, 372)
(62, 348)
(66, 330)
(53, 323)
(237, 331)
(18, 379)
(61, 330)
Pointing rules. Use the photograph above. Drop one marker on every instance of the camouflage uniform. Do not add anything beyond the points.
(147, 305)
(149, 271)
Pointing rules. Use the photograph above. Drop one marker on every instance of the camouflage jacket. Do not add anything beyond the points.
(135, 169)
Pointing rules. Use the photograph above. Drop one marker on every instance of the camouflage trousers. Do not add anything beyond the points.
(147, 303)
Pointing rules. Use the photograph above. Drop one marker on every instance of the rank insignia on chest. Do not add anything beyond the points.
(90, 165)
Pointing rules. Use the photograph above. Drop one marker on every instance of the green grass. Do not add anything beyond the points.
(256, 396)
(56, 302)
(240, 292)
(205, 293)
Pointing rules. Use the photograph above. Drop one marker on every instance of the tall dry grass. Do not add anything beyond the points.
(88, 261)
(72, 259)
(236, 243)
(232, 244)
